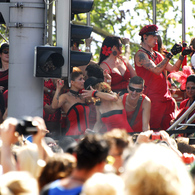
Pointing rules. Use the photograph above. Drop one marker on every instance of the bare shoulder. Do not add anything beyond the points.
(141, 58)
(104, 66)
(147, 101)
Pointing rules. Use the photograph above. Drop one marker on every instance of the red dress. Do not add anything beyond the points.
(156, 88)
(137, 126)
(78, 119)
(119, 82)
(116, 119)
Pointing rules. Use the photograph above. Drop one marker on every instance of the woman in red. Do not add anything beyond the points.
(118, 66)
(109, 106)
(190, 92)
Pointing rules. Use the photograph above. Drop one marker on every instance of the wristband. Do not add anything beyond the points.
(181, 58)
(88, 48)
(94, 93)
(127, 45)
(169, 55)
(108, 80)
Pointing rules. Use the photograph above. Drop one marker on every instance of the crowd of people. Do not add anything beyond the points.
(106, 133)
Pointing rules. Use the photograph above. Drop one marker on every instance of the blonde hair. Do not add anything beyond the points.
(104, 184)
(103, 87)
(28, 157)
(18, 183)
(155, 169)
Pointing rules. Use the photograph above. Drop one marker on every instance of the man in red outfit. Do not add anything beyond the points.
(153, 67)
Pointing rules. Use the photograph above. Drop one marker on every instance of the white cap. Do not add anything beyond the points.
(193, 60)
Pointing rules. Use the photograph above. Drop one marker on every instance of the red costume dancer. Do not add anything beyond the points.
(137, 126)
(78, 119)
(116, 119)
(119, 82)
(156, 88)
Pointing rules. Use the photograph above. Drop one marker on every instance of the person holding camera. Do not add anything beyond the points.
(153, 67)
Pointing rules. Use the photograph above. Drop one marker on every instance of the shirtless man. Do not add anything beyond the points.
(73, 104)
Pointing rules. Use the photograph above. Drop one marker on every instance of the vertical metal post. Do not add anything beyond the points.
(25, 92)
(154, 11)
(50, 21)
(63, 32)
(183, 22)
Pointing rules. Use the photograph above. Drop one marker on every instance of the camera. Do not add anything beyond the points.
(155, 136)
(26, 126)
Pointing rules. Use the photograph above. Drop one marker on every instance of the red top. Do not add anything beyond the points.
(116, 119)
(119, 82)
(137, 126)
(78, 119)
(156, 87)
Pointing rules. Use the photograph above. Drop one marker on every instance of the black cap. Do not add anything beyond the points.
(3, 46)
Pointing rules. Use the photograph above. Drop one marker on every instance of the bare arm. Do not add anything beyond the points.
(146, 114)
(141, 59)
(101, 95)
(176, 66)
(58, 100)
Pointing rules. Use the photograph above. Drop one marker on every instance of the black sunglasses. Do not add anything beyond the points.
(133, 89)
(5, 51)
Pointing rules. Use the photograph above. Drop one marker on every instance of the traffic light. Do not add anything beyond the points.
(65, 14)
(48, 61)
(4, 11)
(80, 32)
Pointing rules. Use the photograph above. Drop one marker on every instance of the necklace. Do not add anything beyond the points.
(74, 93)
(150, 54)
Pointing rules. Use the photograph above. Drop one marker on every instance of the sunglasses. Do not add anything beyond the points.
(5, 51)
(188, 88)
(133, 89)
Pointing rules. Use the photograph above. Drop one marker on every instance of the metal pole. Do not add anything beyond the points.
(154, 11)
(63, 32)
(25, 92)
(50, 21)
(183, 22)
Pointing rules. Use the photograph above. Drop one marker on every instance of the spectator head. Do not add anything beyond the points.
(104, 184)
(156, 169)
(192, 43)
(136, 83)
(68, 144)
(137, 80)
(118, 141)
(28, 158)
(18, 182)
(90, 151)
(59, 166)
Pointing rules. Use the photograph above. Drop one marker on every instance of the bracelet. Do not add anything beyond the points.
(127, 45)
(181, 58)
(88, 48)
(109, 80)
(169, 55)
(94, 93)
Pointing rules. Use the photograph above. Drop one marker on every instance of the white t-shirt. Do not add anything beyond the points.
(193, 60)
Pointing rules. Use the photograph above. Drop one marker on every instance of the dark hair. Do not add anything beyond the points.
(95, 70)
(3, 46)
(136, 80)
(75, 73)
(109, 41)
(90, 151)
(191, 78)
